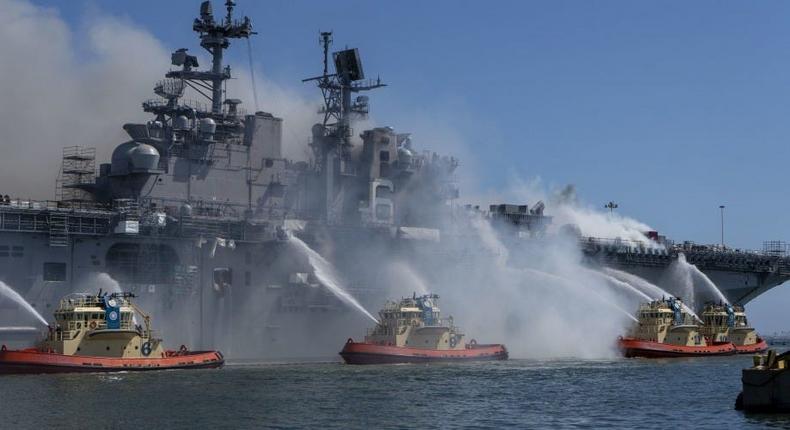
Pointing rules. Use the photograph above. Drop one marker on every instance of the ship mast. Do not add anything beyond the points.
(214, 38)
(332, 139)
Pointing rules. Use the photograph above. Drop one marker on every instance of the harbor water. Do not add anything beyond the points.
(621, 393)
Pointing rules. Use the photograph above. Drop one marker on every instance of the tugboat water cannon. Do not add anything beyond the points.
(98, 333)
(412, 331)
(724, 322)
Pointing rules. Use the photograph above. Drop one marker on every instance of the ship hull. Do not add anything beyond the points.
(367, 353)
(35, 361)
(760, 346)
(648, 349)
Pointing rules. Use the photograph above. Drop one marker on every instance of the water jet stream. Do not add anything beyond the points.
(570, 284)
(622, 284)
(694, 270)
(8, 292)
(327, 276)
(655, 291)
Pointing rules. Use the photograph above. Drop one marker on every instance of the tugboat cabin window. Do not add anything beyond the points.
(54, 272)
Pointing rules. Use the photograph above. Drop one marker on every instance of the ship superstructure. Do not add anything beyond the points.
(723, 322)
(101, 325)
(416, 322)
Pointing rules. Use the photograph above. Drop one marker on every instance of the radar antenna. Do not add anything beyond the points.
(215, 38)
(332, 138)
(337, 89)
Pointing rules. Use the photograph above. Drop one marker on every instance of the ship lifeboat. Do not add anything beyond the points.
(33, 360)
(368, 353)
(632, 347)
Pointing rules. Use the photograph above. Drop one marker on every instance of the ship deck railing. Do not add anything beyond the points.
(19, 204)
(36, 216)
(625, 252)
(669, 247)
(75, 301)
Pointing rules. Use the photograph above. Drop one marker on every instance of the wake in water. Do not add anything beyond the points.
(8, 292)
(328, 277)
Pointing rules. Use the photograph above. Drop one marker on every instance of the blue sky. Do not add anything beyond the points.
(669, 108)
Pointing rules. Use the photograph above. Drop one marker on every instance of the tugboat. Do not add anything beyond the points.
(727, 323)
(98, 333)
(664, 329)
(411, 331)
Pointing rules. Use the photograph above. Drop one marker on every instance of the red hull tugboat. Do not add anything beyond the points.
(664, 329)
(410, 331)
(98, 334)
(727, 323)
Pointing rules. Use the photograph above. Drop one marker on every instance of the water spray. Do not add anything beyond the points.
(8, 292)
(327, 276)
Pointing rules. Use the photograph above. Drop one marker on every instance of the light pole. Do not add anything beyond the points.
(611, 206)
(722, 225)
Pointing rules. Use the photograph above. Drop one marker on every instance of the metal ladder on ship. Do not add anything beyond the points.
(58, 229)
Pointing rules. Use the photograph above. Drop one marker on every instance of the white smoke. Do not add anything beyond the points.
(298, 112)
(69, 85)
(566, 209)
(65, 87)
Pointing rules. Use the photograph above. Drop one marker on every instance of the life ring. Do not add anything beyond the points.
(146, 349)
(93, 325)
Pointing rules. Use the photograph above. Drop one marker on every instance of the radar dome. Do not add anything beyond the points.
(144, 157)
(121, 158)
(207, 126)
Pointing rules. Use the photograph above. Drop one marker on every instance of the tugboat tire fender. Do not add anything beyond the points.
(93, 325)
(183, 348)
(472, 342)
(3, 348)
(350, 340)
(146, 349)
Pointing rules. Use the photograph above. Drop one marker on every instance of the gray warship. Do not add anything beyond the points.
(197, 214)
